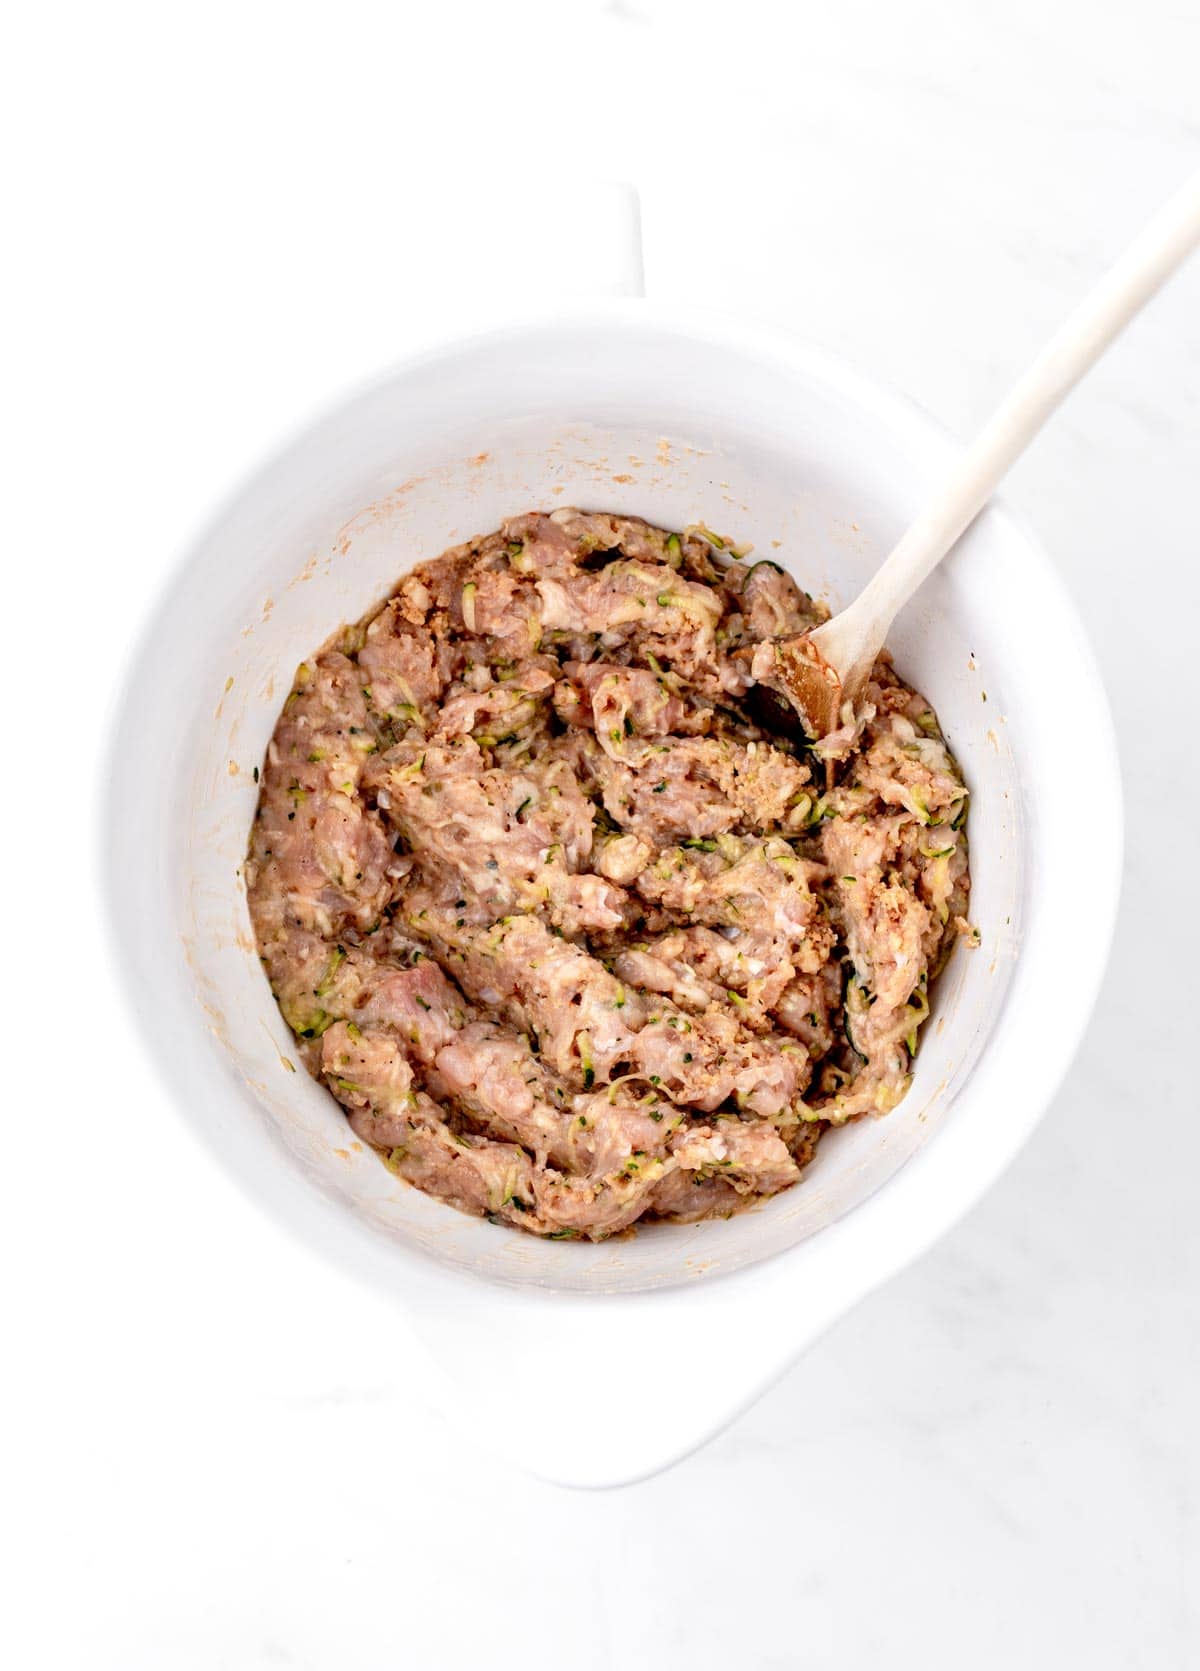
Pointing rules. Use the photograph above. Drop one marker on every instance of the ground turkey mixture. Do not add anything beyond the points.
(561, 908)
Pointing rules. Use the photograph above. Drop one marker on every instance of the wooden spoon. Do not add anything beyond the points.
(819, 672)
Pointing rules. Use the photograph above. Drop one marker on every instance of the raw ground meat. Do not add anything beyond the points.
(570, 931)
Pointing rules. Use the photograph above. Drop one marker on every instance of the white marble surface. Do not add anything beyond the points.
(226, 214)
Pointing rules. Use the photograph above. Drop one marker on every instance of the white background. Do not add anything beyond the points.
(220, 217)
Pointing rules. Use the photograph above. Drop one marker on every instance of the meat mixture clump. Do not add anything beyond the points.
(560, 907)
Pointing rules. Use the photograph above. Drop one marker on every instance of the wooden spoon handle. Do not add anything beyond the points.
(1146, 265)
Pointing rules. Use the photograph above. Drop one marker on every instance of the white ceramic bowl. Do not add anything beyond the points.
(597, 1364)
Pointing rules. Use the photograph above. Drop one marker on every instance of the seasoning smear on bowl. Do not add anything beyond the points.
(572, 929)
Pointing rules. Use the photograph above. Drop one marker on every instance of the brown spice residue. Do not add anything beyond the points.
(378, 511)
(306, 573)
